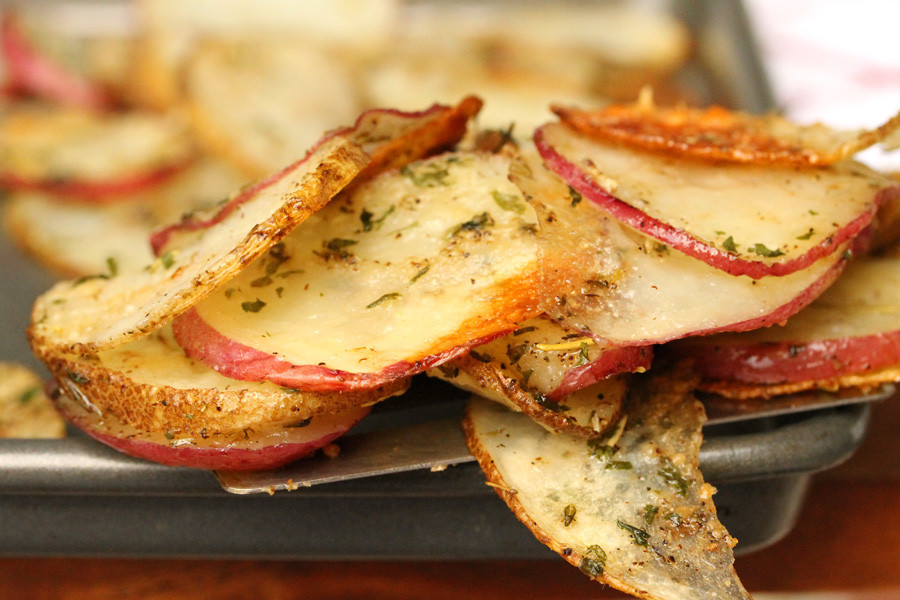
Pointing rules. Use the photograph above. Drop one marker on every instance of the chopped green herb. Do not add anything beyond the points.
(762, 250)
(675, 519)
(569, 514)
(26, 396)
(167, 259)
(583, 357)
(673, 477)
(576, 196)
(369, 222)
(509, 202)
(338, 244)
(522, 330)
(431, 175)
(660, 248)
(480, 357)
(113, 266)
(515, 352)
(254, 306)
(526, 375)
(807, 235)
(594, 561)
(384, 298)
(619, 465)
(650, 513)
(476, 223)
(549, 404)
(421, 272)
(728, 244)
(77, 377)
(638, 535)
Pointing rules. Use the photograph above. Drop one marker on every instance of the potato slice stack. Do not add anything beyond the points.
(126, 382)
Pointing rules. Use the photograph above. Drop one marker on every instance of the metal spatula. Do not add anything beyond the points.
(436, 444)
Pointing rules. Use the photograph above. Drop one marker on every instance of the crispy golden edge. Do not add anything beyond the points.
(491, 377)
(317, 189)
(199, 411)
(863, 382)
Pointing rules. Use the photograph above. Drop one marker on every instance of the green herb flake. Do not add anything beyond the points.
(113, 265)
(431, 175)
(569, 514)
(650, 512)
(807, 235)
(762, 250)
(77, 377)
(673, 477)
(253, 307)
(619, 465)
(594, 561)
(522, 330)
(369, 222)
(167, 260)
(729, 245)
(420, 273)
(638, 535)
(338, 244)
(476, 223)
(516, 352)
(509, 202)
(548, 404)
(383, 299)
(575, 195)
(583, 357)
(29, 394)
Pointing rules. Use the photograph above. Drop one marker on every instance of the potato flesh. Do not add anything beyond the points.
(100, 313)
(247, 106)
(653, 521)
(864, 301)
(150, 385)
(442, 263)
(741, 213)
(627, 289)
(71, 144)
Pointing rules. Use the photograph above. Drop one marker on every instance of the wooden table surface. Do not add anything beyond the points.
(846, 546)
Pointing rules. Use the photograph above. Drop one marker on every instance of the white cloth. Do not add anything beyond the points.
(833, 61)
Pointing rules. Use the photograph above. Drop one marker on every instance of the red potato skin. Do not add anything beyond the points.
(226, 458)
(787, 362)
(455, 119)
(233, 359)
(30, 73)
(783, 312)
(685, 242)
(626, 359)
(93, 192)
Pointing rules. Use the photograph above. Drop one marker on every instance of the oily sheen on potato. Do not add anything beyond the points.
(415, 267)
(631, 509)
(586, 412)
(627, 289)
(849, 336)
(87, 315)
(754, 220)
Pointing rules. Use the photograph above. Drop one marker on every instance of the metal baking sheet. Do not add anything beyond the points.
(76, 497)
